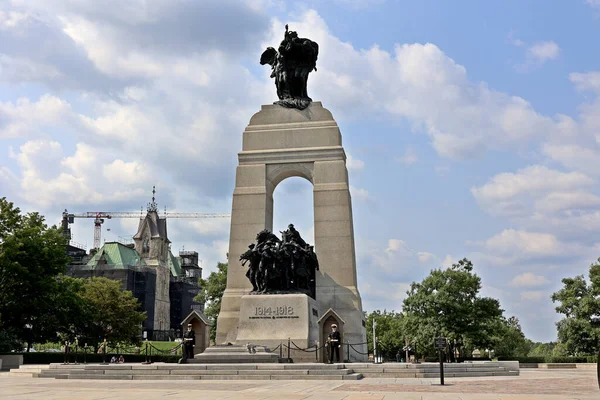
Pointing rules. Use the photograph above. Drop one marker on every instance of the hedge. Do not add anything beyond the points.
(558, 360)
(48, 358)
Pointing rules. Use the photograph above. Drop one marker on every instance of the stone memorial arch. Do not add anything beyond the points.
(280, 143)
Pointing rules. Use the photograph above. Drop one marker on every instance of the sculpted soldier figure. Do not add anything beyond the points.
(290, 65)
(253, 257)
(286, 266)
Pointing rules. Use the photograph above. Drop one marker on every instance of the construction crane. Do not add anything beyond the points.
(100, 216)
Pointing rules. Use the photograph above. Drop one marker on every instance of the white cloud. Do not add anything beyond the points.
(11, 19)
(420, 83)
(359, 4)
(49, 178)
(24, 118)
(593, 3)
(528, 279)
(510, 194)
(512, 242)
(361, 195)
(586, 81)
(448, 261)
(354, 164)
(544, 51)
(395, 257)
(532, 296)
(409, 157)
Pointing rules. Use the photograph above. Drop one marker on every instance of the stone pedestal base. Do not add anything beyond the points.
(235, 355)
(271, 320)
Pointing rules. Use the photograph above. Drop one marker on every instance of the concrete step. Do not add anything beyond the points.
(431, 375)
(427, 371)
(353, 376)
(198, 371)
(28, 370)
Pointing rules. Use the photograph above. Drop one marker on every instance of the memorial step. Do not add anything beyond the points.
(163, 371)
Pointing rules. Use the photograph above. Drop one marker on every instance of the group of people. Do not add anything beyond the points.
(119, 360)
(287, 265)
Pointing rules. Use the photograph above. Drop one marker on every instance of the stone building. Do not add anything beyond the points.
(164, 284)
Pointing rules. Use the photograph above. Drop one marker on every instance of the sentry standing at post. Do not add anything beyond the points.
(335, 342)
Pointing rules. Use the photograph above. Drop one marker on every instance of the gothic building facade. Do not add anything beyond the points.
(164, 284)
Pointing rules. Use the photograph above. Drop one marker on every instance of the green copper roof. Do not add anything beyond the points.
(117, 255)
(174, 264)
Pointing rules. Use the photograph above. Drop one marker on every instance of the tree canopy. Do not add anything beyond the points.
(579, 301)
(389, 333)
(38, 303)
(112, 313)
(447, 303)
(32, 255)
(211, 293)
(509, 340)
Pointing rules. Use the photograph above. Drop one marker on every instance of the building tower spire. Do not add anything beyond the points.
(153, 207)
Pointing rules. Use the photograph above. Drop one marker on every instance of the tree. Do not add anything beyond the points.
(510, 341)
(389, 333)
(447, 303)
(211, 293)
(31, 257)
(579, 331)
(110, 312)
(539, 349)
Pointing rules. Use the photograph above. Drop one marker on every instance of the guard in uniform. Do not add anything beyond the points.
(189, 341)
(335, 342)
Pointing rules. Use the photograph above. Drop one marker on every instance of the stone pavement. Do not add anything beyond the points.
(532, 384)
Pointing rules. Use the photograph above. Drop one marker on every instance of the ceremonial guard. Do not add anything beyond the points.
(189, 341)
(335, 342)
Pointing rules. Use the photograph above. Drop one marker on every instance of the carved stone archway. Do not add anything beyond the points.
(277, 144)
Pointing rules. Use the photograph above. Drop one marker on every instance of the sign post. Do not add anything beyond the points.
(598, 367)
(440, 344)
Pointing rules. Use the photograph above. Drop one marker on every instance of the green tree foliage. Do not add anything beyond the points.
(579, 331)
(539, 349)
(447, 303)
(510, 341)
(211, 293)
(389, 333)
(109, 312)
(31, 257)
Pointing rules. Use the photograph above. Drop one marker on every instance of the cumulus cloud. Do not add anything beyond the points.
(25, 118)
(544, 51)
(532, 296)
(420, 83)
(529, 279)
(586, 81)
(49, 178)
(354, 164)
(409, 157)
(386, 269)
(506, 194)
(360, 194)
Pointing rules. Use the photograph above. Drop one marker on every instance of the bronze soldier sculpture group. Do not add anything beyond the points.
(290, 64)
(288, 265)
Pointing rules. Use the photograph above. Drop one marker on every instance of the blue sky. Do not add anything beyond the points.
(471, 128)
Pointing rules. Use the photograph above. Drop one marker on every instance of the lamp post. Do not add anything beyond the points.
(374, 342)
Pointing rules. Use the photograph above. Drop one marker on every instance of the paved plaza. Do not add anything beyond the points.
(531, 384)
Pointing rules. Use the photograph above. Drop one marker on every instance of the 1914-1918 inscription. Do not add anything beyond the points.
(276, 312)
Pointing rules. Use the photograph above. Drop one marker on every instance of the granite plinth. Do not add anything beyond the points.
(234, 355)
